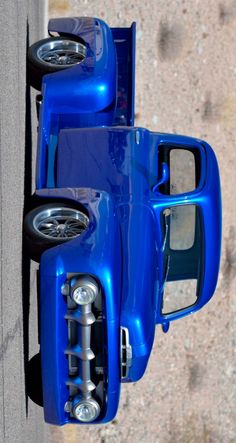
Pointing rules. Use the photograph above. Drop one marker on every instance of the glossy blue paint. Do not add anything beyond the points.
(116, 173)
(82, 96)
(164, 177)
(96, 252)
(90, 86)
(126, 171)
(98, 91)
(207, 196)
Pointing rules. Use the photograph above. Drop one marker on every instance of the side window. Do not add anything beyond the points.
(182, 227)
(182, 257)
(184, 169)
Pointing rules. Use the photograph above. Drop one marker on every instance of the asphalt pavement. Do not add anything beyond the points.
(21, 23)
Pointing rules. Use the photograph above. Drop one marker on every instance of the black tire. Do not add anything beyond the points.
(37, 67)
(34, 380)
(51, 225)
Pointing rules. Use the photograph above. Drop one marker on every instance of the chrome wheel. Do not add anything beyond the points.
(61, 53)
(60, 223)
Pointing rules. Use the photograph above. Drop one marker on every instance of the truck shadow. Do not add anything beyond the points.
(31, 367)
(27, 194)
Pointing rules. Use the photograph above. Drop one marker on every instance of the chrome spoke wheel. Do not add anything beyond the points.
(61, 53)
(60, 223)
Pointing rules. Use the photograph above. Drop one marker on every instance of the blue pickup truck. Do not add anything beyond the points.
(125, 223)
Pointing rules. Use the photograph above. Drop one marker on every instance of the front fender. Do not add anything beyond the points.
(96, 252)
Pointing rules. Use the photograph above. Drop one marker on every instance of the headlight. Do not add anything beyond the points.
(84, 291)
(86, 410)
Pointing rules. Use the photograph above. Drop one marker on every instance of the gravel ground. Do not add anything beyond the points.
(185, 84)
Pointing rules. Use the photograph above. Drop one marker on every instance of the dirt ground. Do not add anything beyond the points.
(185, 84)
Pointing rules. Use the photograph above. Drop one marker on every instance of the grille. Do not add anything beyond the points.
(85, 350)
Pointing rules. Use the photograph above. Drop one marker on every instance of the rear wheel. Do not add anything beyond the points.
(50, 225)
(51, 55)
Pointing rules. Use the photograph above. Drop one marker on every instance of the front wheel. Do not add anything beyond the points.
(51, 225)
(51, 55)
(34, 380)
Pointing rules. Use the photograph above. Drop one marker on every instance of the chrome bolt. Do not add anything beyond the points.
(68, 406)
(65, 289)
